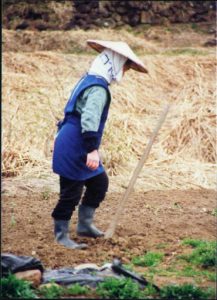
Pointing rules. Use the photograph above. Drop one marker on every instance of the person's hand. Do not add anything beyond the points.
(93, 160)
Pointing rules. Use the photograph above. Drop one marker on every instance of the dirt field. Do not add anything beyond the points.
(174, 196)
(150, 219)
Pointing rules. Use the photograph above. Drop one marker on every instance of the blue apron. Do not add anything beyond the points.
(69, 156)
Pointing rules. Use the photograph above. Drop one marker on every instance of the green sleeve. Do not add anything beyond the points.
(90, 105)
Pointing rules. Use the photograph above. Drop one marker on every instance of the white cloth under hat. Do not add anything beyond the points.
(109, 65)
(121, 48)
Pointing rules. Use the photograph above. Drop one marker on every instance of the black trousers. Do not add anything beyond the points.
(71, 193)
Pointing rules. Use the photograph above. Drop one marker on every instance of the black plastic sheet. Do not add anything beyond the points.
(92, 276)
(11, 263)
(68, 276)
(87, 274)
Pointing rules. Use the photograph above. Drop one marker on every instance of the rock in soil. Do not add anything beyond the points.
(34, 276)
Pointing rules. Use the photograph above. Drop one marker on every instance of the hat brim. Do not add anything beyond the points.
(133, 64)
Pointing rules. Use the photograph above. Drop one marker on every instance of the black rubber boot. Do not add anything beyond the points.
(61, 232)
(85, 219)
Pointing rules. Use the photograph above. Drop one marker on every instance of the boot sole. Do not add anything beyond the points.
(89, 235)
(81, 247)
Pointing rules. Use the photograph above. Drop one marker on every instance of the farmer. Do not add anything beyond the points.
(76, 158)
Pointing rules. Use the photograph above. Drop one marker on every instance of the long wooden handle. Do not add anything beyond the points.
(109, 233)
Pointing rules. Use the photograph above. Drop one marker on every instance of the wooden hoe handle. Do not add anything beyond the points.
(109, 233)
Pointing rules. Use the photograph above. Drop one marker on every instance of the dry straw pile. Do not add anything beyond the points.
(36, 86)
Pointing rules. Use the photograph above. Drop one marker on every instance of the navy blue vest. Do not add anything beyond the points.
(84, 83)
(69, 156)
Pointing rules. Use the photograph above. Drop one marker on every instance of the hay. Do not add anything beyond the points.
(36, 87)
(13, 162)
(72, 41)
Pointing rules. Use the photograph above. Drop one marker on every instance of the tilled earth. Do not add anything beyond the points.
(150, 219)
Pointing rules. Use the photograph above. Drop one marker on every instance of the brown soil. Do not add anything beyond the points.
(149, 219)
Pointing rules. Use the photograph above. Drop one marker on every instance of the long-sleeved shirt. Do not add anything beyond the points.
(90, 106)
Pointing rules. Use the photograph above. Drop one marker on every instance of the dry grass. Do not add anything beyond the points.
(73, 41)
(36, 86)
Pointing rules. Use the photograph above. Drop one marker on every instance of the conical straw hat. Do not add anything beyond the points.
(121, 48)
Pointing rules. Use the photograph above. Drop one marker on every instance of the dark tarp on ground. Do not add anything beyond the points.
(68, 276)
(12, 264)
(82, 275)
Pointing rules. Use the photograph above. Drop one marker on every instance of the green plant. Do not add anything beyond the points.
(12, 288)
(187, 271)
(13, 221)
(193, 243)
(128, 267)
(77, 289)
(161, 245)
(45, 195)
(212, 276)
(170, 271)
(214, 212)
(177, 205)
(185, 291)
(185, 51)
(53, 291)
(113, 288)
(196, 27)
(203, 255)
(149, 291)
(149, 259)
